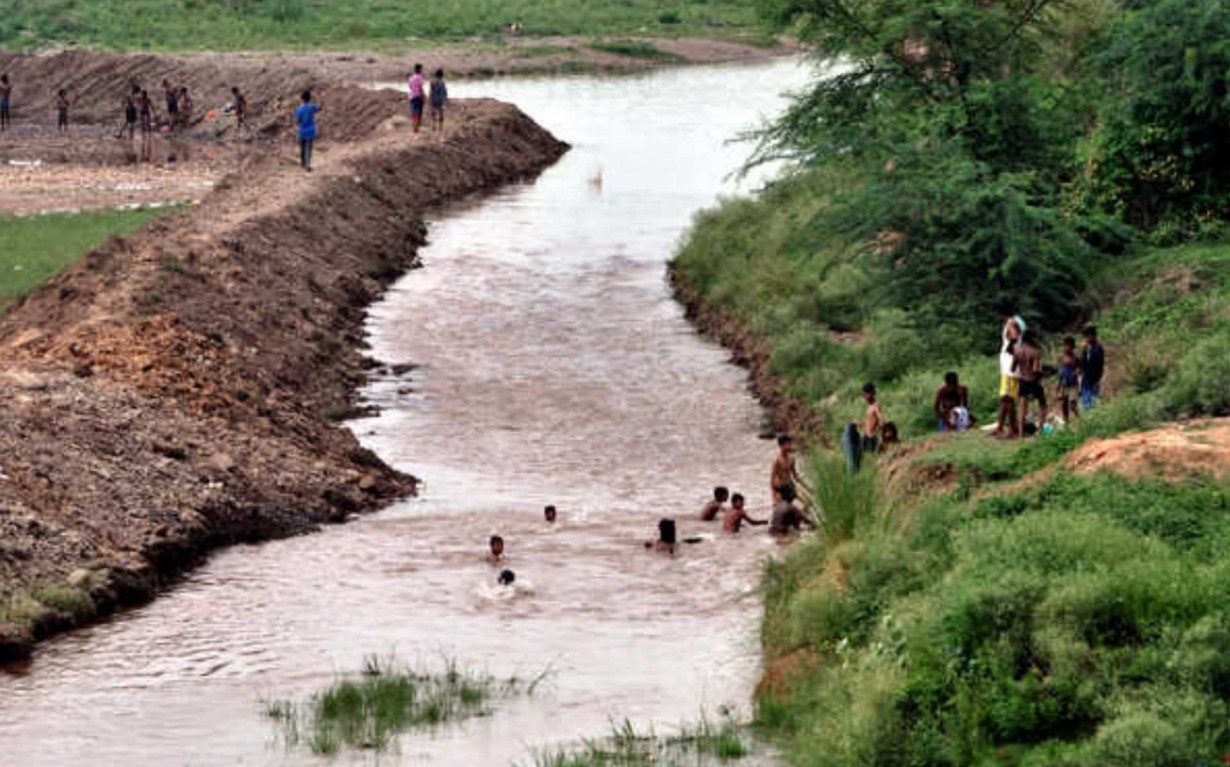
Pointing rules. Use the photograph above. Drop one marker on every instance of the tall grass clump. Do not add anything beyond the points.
(369, 710)
(705, 744)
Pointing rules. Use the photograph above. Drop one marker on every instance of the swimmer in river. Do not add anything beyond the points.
(549, 514)
(497, 550)
(507, 577)
(787, 517)
(734, 519)
(714, 508)
(666, 537)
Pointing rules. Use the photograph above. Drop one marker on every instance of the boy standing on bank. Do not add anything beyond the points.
(415, 86)
(1093, 366)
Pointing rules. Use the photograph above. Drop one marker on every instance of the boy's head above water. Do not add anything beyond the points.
(785, 443)
(549, 513)
(737, 500)
(720, 494)
(497, 545)
(507, 577)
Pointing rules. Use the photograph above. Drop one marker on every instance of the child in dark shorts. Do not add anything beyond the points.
(1027, 362)
(62, 105)
(1069, 390)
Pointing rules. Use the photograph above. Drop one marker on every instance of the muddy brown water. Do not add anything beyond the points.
(553, 367)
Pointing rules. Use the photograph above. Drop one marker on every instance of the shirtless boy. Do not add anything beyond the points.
(715, 507)
(1027, 364)
(734, 519)
(496, 556)
(548, 514)
(784, 473)
(787, 517)
(873, 422)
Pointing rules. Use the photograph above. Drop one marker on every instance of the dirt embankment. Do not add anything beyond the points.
(179, 389)
(787, 413)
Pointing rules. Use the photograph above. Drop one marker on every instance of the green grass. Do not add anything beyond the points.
(368, 710)
(636, 49)
(195, 25)
(703, 745)
(35, 248)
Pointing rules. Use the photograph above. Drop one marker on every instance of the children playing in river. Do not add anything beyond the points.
(548, 513)
(667, 537)
(715, 507)
(6, 97)
(737, 515)
(495, 554)
(787, 517)
(783, 473)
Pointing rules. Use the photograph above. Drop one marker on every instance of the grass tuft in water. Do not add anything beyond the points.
(384, 699)
(706, 743)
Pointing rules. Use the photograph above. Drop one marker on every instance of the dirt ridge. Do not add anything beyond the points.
(178, 390)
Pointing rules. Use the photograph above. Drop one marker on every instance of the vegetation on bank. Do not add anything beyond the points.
(972, 601)
(370, 710)
(200, 25)
(35, 248)
(704, 745)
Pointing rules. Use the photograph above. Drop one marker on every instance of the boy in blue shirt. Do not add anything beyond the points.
(305, 116)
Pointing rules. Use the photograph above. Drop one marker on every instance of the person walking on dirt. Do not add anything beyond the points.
(146, 116)
(172, 96)
(62, 105)
(130, 118)
(415, 86)
(305, 116)
(439, 98)
(6, 95)
(241, 107)
(186, 105)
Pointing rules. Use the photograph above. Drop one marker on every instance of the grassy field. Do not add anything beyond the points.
(35, 248)
(195, 25)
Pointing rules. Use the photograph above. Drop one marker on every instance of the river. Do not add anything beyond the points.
(553, 367)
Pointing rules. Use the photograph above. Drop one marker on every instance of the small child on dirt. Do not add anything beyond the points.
(439, 98)
(186, 106)
(1068, 391)
(415, 87)
(305, 116)
(62, 105)
(241, 107)
(172, 95)
(129, 125)
(6, 95)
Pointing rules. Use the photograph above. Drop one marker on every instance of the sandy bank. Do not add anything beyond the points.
(179, 389)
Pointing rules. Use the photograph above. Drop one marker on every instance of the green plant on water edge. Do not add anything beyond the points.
(636, 49)
(705, 743)
(386, 698)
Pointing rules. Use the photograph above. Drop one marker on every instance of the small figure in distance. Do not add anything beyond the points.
(129, 125)
(873, 422)
(666, 537)
(415, 87)
(62, 105)
(305, 116)
(715, 507)
(549, 514)
(1093, 366)
(439, 98)
(172, 95)
(1028, 368)
(241, 107)
(735, 518)
(1068, 390)
(787, 517)
(950, 398)
(496, 544)
(507, 577)
(186, 105)
(6, 97)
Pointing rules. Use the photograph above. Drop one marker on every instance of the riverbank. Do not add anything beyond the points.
(180, 389)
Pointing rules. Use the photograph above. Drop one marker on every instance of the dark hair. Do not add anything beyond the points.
(507, 577)
(783, 439)
(1030, 337)
(234, 89)
(951, 378)
(440, 73)
(549, 509)
(720, 493)
(666, 531)
(890, 433)
(1069, 341)
(1090, 332)
(494, 540)
(418, 67)
(5, 77)
(1005, 307)
(869, 388)
(306, 96)
(737, 498)
(787, 493)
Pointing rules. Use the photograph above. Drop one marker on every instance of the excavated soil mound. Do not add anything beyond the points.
(179, 389)
(1173, 452)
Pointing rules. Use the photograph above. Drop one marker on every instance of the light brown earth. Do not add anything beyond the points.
(179, 389)
(1176, 451)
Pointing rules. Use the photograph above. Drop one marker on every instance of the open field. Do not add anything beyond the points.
(370, 25)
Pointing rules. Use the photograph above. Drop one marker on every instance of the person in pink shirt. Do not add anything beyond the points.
(415, 85)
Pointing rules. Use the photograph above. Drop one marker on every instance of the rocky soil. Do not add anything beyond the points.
(182, 388)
